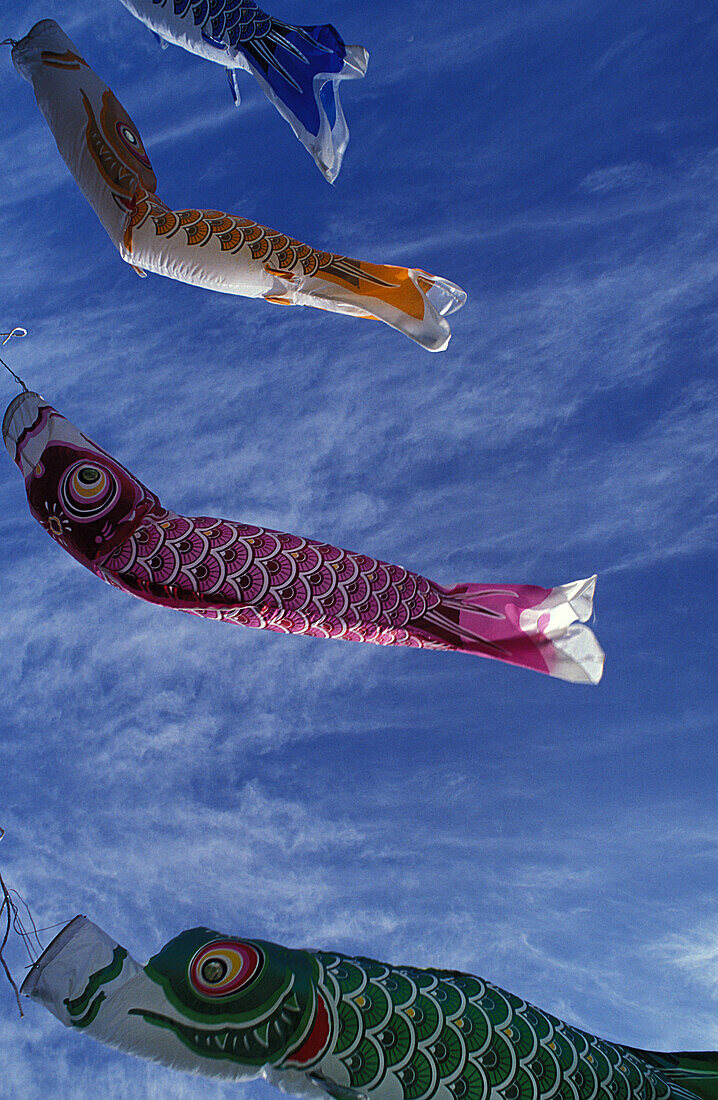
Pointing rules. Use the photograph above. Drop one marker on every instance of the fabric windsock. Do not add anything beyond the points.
(299, 69)
(104, 152)
(317, 1022)
(242, 573)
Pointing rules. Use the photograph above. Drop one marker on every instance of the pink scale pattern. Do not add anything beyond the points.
(272, 580)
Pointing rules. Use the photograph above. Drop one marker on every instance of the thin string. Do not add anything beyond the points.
(9, 905)
(14, 920)
(46, 927)
(28, 936)
(18, 332)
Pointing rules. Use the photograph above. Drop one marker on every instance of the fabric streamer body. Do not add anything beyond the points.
(103, 149)
(298, 68)
(102, 515)
(316, 1022)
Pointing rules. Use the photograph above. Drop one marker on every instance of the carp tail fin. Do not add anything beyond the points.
(299, 70)
(537, 628)
(407, 299)
(689, 1073)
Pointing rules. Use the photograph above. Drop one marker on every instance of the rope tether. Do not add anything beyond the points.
(17, 331)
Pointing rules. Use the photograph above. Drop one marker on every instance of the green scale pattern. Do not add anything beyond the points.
(413, 1034)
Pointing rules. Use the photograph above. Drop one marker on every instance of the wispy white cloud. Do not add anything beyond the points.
(160, 771)
(691, 954)
(617, 177)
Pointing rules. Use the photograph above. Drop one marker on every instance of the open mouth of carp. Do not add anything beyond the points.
(253, 1045)
(113, 170)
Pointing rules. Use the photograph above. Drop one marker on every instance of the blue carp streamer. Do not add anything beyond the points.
(298, 68)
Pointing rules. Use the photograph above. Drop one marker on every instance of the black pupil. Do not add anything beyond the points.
(88, 476)
(130, 136)
(214, 970)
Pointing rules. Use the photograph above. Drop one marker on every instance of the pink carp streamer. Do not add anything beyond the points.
(103, 150)
(102, 515)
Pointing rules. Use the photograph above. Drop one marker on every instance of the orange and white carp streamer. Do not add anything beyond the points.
(102, 148)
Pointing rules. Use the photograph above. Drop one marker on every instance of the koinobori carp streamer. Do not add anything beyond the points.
(116, 527)
(104, 151)
(298, 68)
(317, 1022)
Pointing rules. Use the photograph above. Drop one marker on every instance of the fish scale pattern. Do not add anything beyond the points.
(281, 253)
(416, 1034)
(259, 577)
(238, 21)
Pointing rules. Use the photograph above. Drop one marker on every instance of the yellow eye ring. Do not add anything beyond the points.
(222, 968)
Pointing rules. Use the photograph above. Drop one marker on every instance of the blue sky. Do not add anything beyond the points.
(558, 160)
